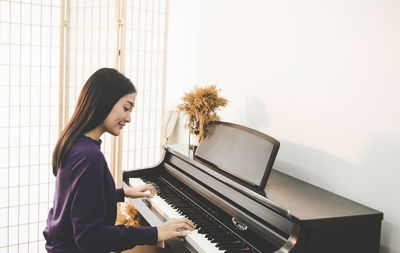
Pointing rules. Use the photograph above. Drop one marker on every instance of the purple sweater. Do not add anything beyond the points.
(85, 206)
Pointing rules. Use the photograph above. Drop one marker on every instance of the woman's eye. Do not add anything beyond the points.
(126, 109)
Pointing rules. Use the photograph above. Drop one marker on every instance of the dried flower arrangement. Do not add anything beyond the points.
(200, 106)
(127, 215)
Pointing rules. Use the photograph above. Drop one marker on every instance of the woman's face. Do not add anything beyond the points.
(120, 115)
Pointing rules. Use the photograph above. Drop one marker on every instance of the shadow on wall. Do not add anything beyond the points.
(254, 114)
(325, 171)
(313, 166)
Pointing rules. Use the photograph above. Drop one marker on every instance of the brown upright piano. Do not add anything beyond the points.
(228, 188)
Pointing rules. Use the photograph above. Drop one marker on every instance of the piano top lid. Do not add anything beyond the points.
(308, 202)
(242, 152)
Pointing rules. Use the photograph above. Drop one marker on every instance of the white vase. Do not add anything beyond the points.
(196, 140)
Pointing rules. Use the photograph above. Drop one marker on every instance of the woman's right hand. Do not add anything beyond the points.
(174, 227)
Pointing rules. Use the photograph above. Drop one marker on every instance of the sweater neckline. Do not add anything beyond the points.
(98, 143)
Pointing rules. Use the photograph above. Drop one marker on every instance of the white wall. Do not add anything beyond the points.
(183, 69)
(322, 77)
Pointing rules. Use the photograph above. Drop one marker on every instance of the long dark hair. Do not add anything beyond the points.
(98, 96)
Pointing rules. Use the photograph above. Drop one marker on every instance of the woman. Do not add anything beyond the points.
(84, 209)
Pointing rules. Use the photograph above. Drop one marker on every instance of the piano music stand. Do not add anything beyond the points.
(243, 154)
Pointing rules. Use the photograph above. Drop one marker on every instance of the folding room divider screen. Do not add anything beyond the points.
(48, 49)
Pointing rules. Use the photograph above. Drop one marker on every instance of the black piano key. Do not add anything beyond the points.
(220, 237)
(233, 249)
(231, 245)
(238, 250)
(212, 232)
(194, 214)
(218, 234)
(222, 240)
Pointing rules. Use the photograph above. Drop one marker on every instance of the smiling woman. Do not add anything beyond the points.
(99, 95)
(85, 201)
(48, 49)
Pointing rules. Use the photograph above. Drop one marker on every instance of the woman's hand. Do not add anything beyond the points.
(140, 191)
(174, 227)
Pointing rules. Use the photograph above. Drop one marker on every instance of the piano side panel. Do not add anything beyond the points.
(349, 237)
(141, 172)
(146, 212)
(157, 168)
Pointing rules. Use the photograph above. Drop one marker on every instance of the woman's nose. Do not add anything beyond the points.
(128, 118)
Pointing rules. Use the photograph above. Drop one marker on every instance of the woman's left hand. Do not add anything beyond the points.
(140, 191)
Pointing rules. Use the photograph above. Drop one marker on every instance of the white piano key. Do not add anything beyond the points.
(197, 240)
(164, 209)
(200, 243)
(135, 181)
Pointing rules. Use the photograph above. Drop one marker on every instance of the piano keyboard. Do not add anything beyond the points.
(209, 236)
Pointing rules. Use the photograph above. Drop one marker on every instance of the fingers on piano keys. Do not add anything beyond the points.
(208, 237)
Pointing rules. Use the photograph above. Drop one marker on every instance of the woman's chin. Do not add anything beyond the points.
(115, 132)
